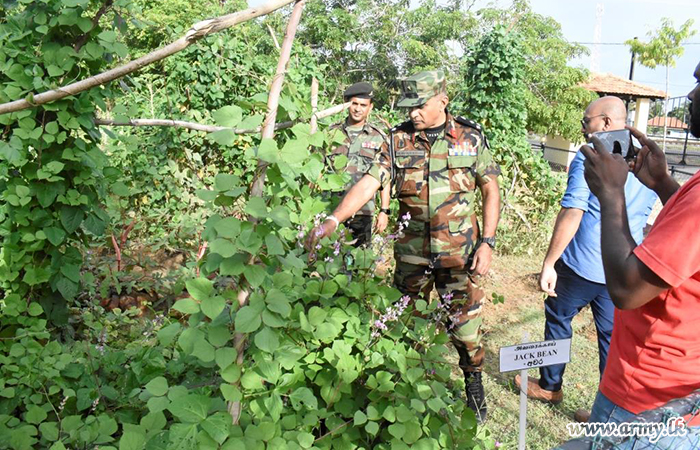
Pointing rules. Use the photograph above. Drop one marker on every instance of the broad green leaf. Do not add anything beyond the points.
(186, 306)
(228, 116)
(157, 404)
(397, 430)
(232, 373)
(204, 351)
(191, 409)
(255, 275)
(231, 393)
(218, 425)
(35, 415)
(372, 428)
(280, 215)
(306, 440)
(225, 356)
(71, 218)
(360, 418)
(107, 35)
(274, 406)
(247, 319)
(223, 137)
(229, 227)
(200, 288)
(223, 247)
(166, 335)
(157, 386)
(225, 182)
(277, 302)
(36, 275)
(317, 315)
(256, 207)
(268, 151)
(267, 340)
(303, 398)
(274, 245)
(131, 440)
(213, 306)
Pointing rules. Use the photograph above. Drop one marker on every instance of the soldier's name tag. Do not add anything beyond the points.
(461, 149)
(371, 145)
(410, 153)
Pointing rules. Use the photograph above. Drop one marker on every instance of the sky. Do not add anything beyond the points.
(622, 20)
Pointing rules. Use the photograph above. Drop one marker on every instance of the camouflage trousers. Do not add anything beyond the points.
(361, 229)
(464, 319)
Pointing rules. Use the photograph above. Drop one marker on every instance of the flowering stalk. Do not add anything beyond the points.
(392, 314)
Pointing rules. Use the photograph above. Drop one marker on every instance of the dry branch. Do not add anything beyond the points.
(314, 104)
(212, 128)
(258, 185)
(197, 32)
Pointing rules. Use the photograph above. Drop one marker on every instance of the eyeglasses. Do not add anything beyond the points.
(586, 120)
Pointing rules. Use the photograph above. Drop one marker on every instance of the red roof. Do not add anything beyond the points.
(606, 83)
(671, 122)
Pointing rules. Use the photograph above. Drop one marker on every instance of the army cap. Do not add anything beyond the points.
(359, 90)
(418, 88)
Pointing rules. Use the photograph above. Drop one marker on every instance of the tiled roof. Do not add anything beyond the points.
(671, 122)
(606, 83)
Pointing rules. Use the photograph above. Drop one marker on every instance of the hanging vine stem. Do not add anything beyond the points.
(198, 31)
(258, 185)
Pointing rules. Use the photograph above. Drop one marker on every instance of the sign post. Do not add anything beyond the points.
(530, 355)
(523, 400)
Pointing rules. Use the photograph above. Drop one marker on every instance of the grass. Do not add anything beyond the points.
(515, 277)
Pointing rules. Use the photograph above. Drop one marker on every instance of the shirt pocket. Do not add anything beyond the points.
(411, 170)
(460, 170)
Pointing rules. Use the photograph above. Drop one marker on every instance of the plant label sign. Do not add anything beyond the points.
(530, 355)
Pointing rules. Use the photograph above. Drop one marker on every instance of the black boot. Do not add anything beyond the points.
(476, 401)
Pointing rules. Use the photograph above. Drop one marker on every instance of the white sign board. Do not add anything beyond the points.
(535, 354)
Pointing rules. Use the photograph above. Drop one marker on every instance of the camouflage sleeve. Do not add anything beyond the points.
(485, 165)
(380, 169)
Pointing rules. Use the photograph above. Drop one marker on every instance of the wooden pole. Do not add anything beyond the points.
(258, 186)
(268, 131)
(314, 104)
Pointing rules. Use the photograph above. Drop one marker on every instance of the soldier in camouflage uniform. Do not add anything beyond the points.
(363, 141)
(435, 162)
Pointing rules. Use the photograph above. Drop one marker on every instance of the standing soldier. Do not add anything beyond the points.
(435, 162)
(362, 143)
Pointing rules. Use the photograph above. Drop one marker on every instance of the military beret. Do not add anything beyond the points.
(359, 90)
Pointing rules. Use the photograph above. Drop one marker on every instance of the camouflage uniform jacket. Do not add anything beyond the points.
(360, 152)
(436, 185)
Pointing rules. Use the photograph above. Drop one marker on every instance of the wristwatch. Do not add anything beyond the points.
(386, 211)
(491, 241)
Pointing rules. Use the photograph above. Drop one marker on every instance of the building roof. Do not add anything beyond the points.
(609, 84)
(671, 122)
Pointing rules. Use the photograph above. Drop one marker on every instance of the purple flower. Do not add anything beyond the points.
(328, 259)
(392, 314)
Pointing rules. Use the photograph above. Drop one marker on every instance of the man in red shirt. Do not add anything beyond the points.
(655, 348)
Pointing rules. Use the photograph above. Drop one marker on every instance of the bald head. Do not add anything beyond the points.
(604, 114)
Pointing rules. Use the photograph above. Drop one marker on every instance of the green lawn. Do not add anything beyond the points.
(515, 278)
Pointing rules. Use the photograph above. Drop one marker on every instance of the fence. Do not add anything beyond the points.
(677, 408)
(680, 144)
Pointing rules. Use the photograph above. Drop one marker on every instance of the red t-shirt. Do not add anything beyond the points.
(655, 349)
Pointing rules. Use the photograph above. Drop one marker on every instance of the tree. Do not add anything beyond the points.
(664, 46)
(553, 98)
